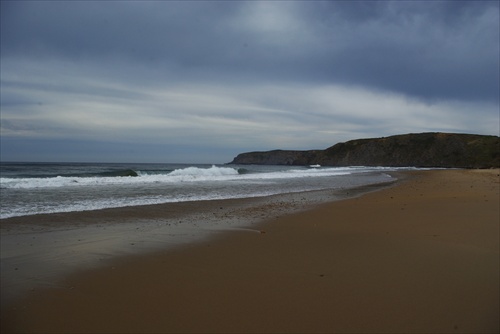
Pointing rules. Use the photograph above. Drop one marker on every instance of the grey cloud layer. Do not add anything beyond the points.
(434, 50)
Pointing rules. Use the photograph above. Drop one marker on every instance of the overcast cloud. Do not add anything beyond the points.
(203, 81)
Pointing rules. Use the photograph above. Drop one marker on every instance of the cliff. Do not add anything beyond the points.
(448, 150)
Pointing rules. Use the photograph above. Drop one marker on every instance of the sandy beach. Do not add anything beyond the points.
(419, 257)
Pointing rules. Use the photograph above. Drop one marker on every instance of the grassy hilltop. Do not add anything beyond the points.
(434, 149)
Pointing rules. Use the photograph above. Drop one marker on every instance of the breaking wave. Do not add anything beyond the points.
(188, 174)
(35, 189)
(125, 176)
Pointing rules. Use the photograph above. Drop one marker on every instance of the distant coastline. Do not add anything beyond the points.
(431, 149)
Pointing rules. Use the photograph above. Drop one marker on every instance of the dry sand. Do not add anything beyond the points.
(420, 257)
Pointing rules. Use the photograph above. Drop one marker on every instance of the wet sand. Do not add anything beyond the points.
(422, 256)
(37, 251)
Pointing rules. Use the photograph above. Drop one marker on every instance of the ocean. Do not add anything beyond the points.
(41, 188)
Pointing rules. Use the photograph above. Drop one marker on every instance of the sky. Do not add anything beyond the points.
(202, 81)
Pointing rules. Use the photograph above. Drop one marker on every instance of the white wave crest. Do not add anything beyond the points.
(188, 174)
(195, 172)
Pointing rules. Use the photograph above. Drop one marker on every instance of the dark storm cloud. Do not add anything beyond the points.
(430, 50)
(425, 49)
(141, 31)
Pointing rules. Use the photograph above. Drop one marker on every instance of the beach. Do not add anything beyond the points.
(421, 256)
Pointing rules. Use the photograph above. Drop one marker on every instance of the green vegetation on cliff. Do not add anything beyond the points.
(448, 150)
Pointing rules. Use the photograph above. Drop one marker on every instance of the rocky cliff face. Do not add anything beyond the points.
(446, 150)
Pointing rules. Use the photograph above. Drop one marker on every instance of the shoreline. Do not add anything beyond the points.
(39, 250)
(421, 256)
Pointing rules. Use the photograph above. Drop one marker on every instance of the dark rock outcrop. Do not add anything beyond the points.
(277, 157)
(448, 150)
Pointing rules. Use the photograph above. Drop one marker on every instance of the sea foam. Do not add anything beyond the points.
(91, 187)
(189, 174)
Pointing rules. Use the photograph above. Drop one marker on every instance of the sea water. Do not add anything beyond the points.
(38, 188)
